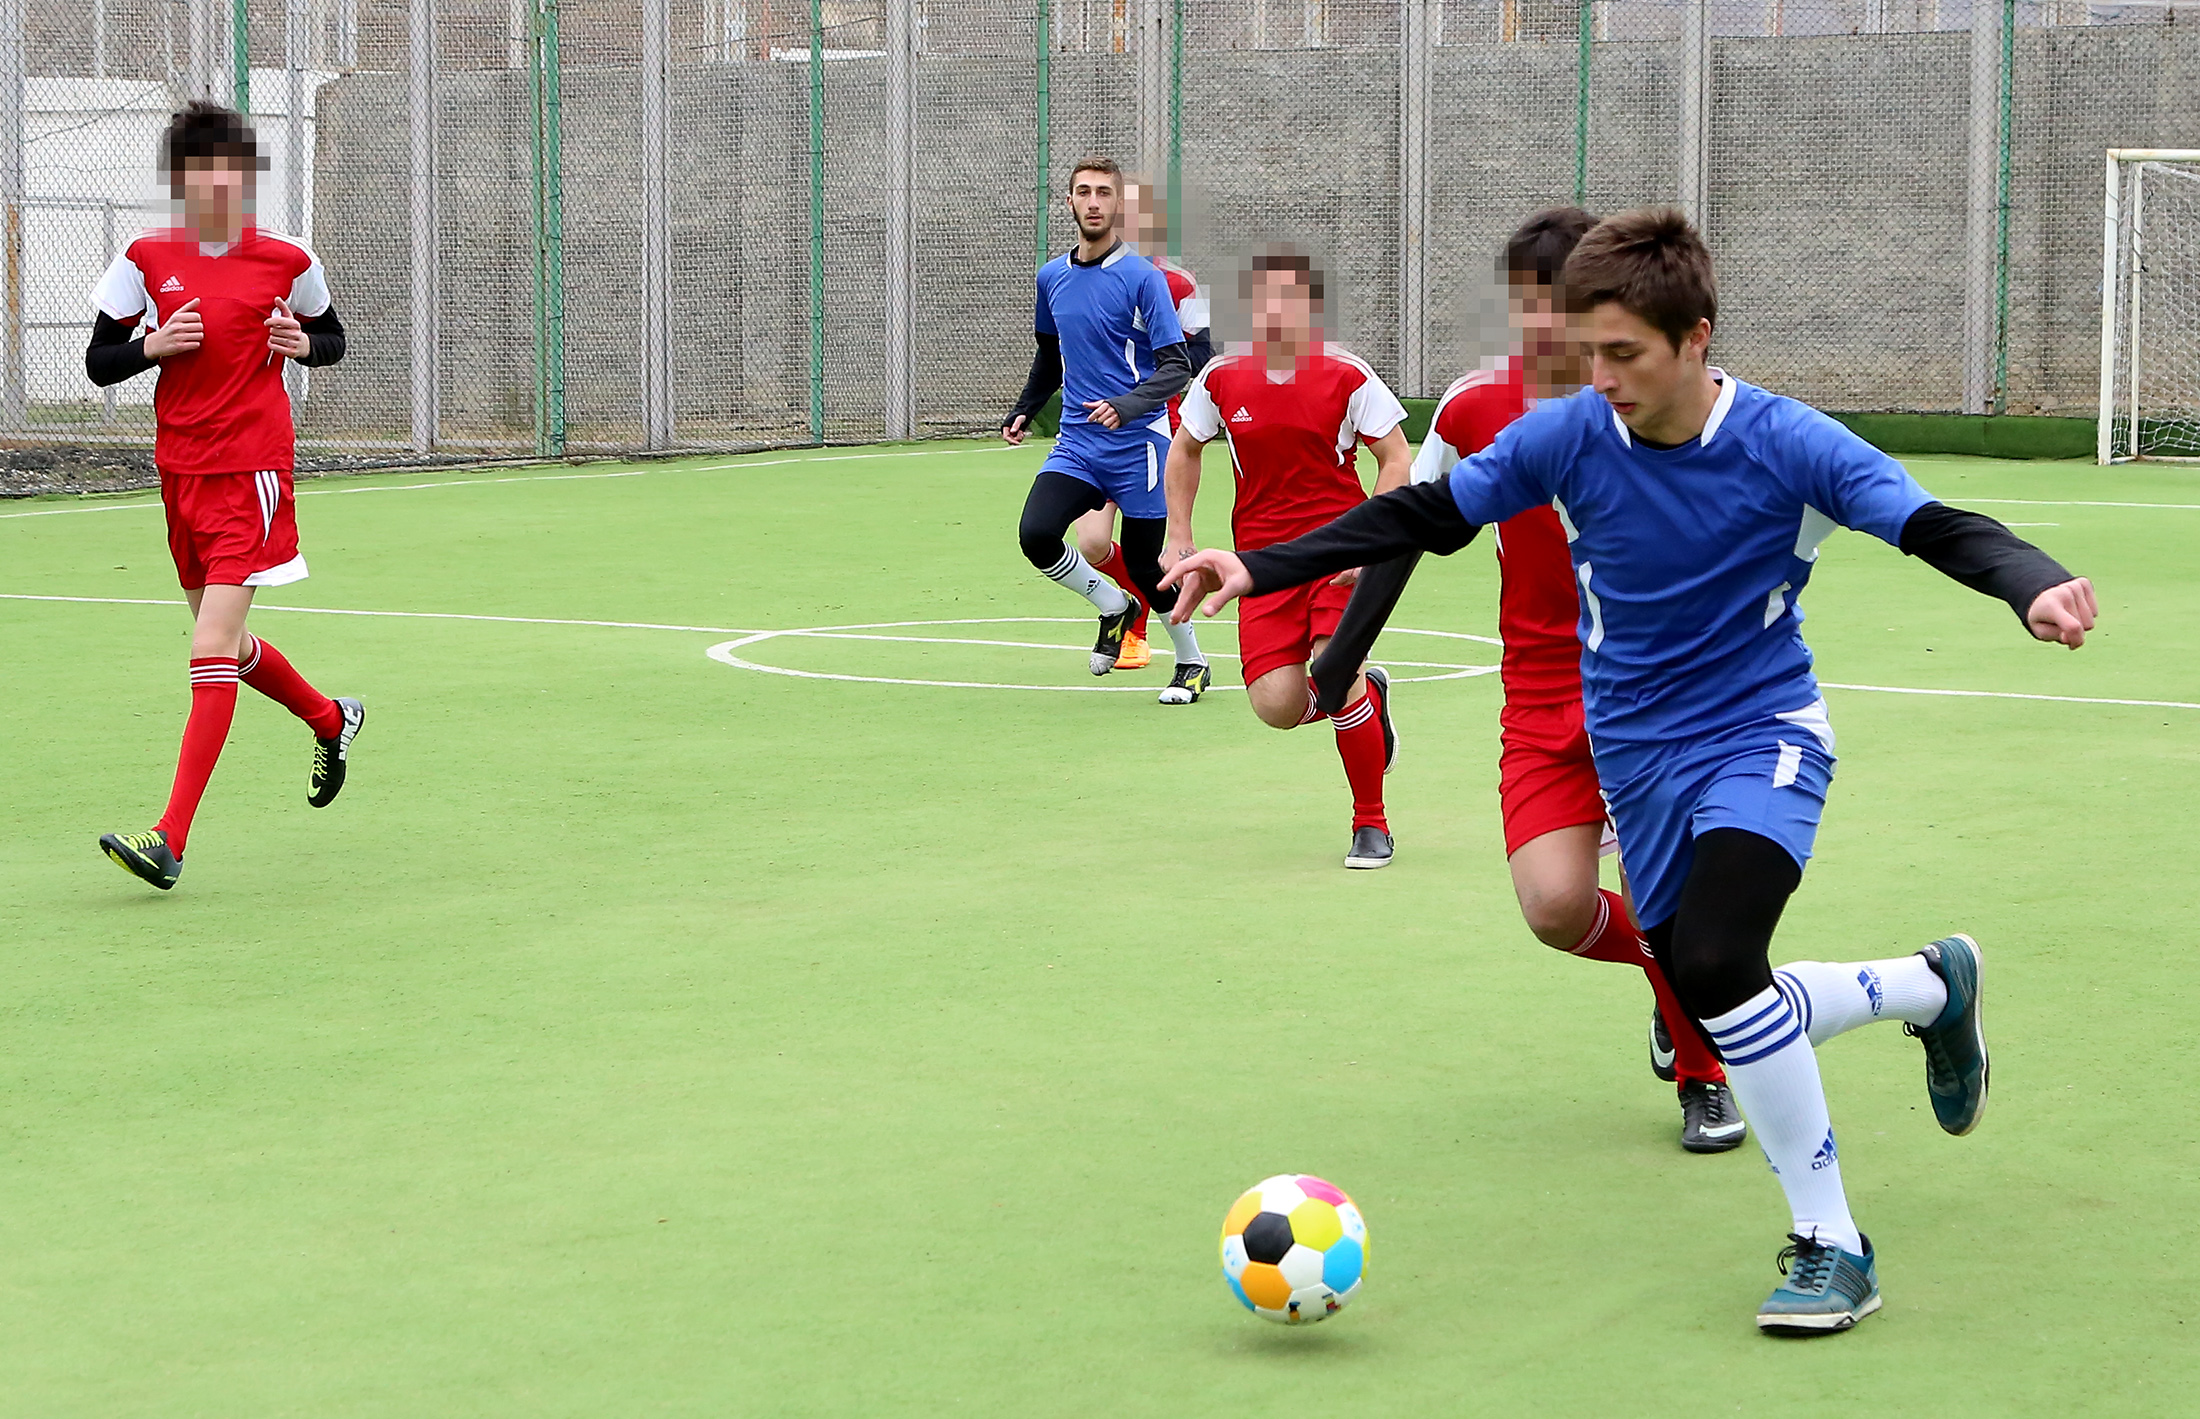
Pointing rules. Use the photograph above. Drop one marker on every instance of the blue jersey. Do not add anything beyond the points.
(1109, 316)
(1690, 560)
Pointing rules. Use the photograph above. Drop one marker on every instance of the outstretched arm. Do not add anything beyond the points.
(1418, 518)
(1979, 552)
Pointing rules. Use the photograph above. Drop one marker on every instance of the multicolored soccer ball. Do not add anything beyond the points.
(1293, 1249)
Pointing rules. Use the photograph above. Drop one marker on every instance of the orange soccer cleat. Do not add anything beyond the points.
(1135, 655)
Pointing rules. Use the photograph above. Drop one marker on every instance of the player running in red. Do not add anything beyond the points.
(1146, 224)
(1555, 818)
(1295, 411)
(227, 303)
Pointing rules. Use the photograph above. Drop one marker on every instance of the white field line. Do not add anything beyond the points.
(847, 633)
(542, 478)
(2077, 502)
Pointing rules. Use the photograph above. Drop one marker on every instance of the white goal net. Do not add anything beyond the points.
(2150, 306)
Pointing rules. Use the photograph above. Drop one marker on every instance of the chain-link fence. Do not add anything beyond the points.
(617, 225)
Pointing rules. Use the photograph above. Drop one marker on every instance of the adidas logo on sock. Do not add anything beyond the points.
(1826, 1156)
(1241, 416)
(1873, 990)
(171, 284)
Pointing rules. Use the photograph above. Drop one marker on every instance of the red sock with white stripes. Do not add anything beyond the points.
(1360, 744)
(265, 670)
(1613, 936)
(1115, 569)
(213, 705)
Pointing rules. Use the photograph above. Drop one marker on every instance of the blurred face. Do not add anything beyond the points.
(1145, 219)
(1545, 336)
(1096, 202)
(214, 192)
(1635, 367)
(1283, 310)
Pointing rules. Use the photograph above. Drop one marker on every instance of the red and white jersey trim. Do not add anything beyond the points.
(1437, 457)
(1371, 412)
(120, 292)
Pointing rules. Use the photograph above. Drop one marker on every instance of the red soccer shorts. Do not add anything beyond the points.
(232, 529)
(1280, 628)
(1546, 779)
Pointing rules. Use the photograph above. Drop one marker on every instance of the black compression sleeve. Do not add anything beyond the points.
(325, 333)
(1200, 346)
(1420, 517)
(113, 356)
(1172, 370)
(1987, 557)
(1044, 379)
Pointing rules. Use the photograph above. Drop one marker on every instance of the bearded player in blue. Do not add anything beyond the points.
(1107, 335)
(1694, 505)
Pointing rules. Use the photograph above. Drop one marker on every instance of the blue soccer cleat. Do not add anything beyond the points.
(1955, 1045)
(1827, 1289)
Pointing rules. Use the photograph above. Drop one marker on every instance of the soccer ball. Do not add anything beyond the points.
(1293, 1248)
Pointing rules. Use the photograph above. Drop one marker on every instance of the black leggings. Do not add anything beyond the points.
(1716, 950)
(1057, 500)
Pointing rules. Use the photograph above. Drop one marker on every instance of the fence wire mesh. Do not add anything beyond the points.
(614, 225)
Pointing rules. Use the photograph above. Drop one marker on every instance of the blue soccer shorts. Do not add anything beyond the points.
(1125, 464)
(1768, 778)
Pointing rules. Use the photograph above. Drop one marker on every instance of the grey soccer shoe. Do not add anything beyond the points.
(143, 855)
(330, 756)
(1108, 647)
(1827, 1289)
(1711, 1122)
(1371, 847)
(1192, 679)
(1955, 1044)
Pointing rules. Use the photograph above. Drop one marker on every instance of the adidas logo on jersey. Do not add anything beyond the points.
(171, 284)
(1242, 416)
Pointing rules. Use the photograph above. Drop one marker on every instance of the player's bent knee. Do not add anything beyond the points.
(1041, 546)
(1560, 919)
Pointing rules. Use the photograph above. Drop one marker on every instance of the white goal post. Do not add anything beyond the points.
(2150, 306)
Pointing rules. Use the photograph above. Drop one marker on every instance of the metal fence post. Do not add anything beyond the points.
(1980, 200)
(657, 403)
(1153, 92)
(1043, 151)
(1695, 126)
(900, 158)
(1413, 87)
(425, 254)
(817, 221)
(14, 395)
(1581, 103)
(296, 40)
(240, 57)
(1176, 131)
(549, 214)
(2001, 206)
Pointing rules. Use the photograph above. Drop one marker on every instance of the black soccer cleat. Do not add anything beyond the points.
(1380, 679)
(1371, 847)
(1662, 1053)
(1108, 648)
(330, 754)
(1191, 680)
(1711, 1122)
(143, 855)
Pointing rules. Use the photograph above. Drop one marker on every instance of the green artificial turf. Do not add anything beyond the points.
(644, 1035)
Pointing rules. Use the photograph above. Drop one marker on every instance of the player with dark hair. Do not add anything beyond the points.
(1555, 819)
(1694, 506)
(1107, 335)
(226, 302)
(1146, 227)
(1295, 411)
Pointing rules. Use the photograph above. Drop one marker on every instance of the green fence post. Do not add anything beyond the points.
(240, 58)
(1043, 155)
(817, 221)
(1581, 104)
(549, 217)
(2001, 202)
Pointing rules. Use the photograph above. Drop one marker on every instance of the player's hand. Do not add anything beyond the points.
(1217, 576)
(1012, 432)
(2064, 614)
(285, 336)
(182, 333)
(1348, 577)
(1101, 412)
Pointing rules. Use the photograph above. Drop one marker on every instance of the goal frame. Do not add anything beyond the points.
(2111, 275)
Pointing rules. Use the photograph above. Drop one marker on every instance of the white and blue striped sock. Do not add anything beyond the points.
(1834, 997)
(1774, 1074)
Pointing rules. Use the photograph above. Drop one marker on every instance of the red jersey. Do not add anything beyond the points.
(1538, 607)
(1191, 317)
(1294, 436)
(220, 408)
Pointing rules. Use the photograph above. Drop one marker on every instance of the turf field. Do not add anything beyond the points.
(644, 1033)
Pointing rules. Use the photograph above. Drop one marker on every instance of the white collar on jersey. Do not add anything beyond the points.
(1719, 408)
